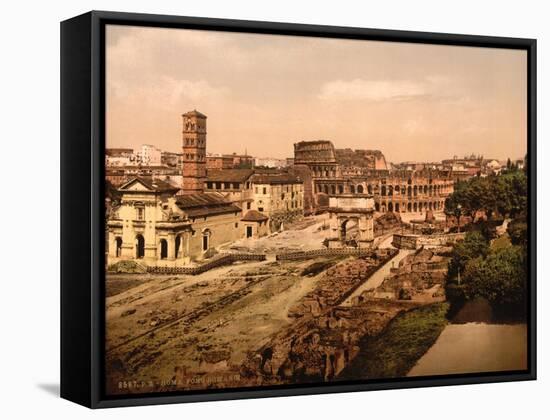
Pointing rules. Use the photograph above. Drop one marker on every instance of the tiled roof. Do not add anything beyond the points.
(280, 178)
(205, 204)
(254, 216)
(229, 175)
(152, 184)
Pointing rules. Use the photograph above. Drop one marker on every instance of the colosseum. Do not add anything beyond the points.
(336, 172)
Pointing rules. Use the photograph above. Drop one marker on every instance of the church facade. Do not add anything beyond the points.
(159, 224)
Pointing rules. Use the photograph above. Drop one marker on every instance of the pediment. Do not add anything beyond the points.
(136, 184)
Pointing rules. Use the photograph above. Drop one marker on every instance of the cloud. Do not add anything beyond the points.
(167, 91)
(383, 90)
(374, 90)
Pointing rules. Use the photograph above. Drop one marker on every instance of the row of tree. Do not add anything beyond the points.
(504, 194)
(497, 273)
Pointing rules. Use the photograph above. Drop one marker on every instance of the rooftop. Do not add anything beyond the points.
(254, 216)
(194, 113)
(229, 175)
(153, 185)
(205, 204)
(276, 178)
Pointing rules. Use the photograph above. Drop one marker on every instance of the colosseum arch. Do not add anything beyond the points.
(359, 189)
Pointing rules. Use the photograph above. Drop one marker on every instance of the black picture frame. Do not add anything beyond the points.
(82, 205)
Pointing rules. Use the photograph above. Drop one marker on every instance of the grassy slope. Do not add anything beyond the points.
(396, 350)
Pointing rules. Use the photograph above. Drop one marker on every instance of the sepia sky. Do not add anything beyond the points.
(262, 93)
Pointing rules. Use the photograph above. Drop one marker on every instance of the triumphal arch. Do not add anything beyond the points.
(351, 221)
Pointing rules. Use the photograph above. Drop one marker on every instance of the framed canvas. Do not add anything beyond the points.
(254, 209)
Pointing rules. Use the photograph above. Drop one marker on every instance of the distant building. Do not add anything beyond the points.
(242, 161)
(119, 157)
(234, 184)
(520, 163)
(114, 161)
(148, 155)
(279, 196)
(118, 151)
(219, 162)
(270, 162)
(171, 159)
(492, 167)
(118, 175)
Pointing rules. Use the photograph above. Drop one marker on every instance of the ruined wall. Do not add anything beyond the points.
(417, 241)
(369, 159)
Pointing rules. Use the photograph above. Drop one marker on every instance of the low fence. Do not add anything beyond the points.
(214, 262)
(323, 252)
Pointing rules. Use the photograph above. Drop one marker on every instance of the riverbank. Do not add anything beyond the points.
(396, 350)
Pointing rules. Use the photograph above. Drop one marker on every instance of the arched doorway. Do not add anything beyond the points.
(140, 246)
(118, 246)
(178, 246)
(359, 189)
(206, 239)
(349, 230)
(390, 206)
(163, 249)
(397, 207)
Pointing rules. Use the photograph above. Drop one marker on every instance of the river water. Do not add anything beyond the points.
(475, 347)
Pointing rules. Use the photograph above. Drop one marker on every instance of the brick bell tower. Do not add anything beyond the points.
(194, 152)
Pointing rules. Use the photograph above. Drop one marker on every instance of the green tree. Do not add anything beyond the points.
(474, 245)
(517, 229)
(505, 194)
(500, 277)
